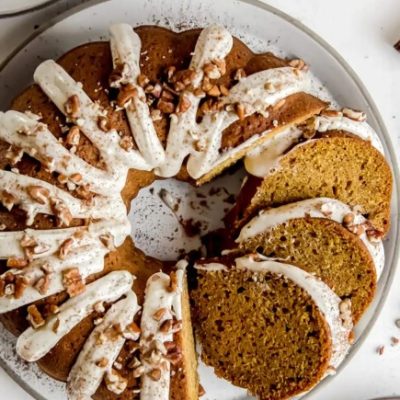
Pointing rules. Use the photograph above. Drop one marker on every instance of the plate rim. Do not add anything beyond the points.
(371, 105)
(31, 8)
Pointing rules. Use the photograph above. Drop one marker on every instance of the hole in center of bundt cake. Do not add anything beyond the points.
(169, 216)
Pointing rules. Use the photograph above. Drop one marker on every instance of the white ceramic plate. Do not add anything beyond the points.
(8, 7)
(262, 28)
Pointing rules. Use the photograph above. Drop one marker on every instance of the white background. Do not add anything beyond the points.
(363, 31)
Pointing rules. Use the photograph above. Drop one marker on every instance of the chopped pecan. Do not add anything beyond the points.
(17, 262)
(173, 283)
(62, 212)
(126, 94)
(35, 318)
(38, 193)
(166, 326)
(72, 106)
(21, 283)
(166, 107)
(142, 80)
(103, 123)
(108, 241)
(43, 284)
(73, 136)
(126, 143)
(183, 105)
(102, 362)
(65, 248)
(73, 282)
(155, 374)
(159, 314)
(7, 199)
(240, 111)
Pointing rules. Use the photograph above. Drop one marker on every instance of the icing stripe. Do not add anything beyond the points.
(157, 297)
(125, 48)
(59, 86)
(33, 344)
(87, 259)
(326, 208)
(10, 242)
(87, 373)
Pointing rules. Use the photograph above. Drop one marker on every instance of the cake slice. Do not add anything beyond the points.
(269, 327)
(325, 238)
(345, 168)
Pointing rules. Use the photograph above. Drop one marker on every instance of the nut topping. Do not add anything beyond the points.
(240, 111)
(62, 212)
(348, 219)
(21, 283)
(7, 199)
(34, 317)
(183, 105)
(115, 382)
(73, 282)
(73, 136)
(159, 314)
(65, 248)
(102, 362)
(72, 106)
(354, 114)
(142, 80)
(17, 262)
(167, 107)
(126, 94)
(43, 284)
(103, 124)
(298, 63)
(38, 193)
(155, 374)
(166, 326)
(126, 143)
(173, 284)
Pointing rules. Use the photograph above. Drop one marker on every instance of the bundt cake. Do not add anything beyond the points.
(106, 120)
(268, 326)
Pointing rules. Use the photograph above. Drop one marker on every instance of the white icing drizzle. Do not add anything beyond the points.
(125, 48)
(43, 145)
(255, 92)
(18, 185)
(325, 299)
(59, 87)
(359, 128)
(86, 374)
(10, 245)
(157, 296)
(88, 259)
(326, 208)
(264, 159)
(214, 43)
(33, 344)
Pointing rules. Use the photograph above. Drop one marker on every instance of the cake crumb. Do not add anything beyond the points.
(380, 350)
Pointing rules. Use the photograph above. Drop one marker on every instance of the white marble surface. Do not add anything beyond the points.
(363, 31)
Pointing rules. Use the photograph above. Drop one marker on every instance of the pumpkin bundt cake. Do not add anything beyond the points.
(268, 326)
(109, 118)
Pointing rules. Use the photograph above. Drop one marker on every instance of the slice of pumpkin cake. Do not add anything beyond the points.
(325, 237)
(266, 326)
(345, 168)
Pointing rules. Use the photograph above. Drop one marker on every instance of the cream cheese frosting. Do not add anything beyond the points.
(101, 349)
(33, 344)
(265, 158)
(161, 305)
(326, 208)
